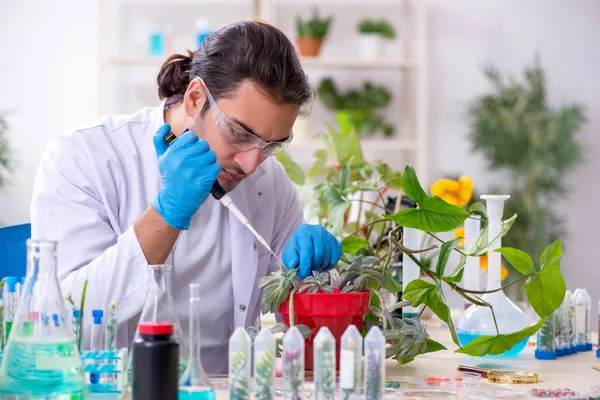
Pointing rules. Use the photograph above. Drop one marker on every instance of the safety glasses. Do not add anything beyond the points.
(237, 136)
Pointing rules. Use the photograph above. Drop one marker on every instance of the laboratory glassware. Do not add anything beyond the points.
(194, 384)
(478, 321)
(160, 307)
(41, 359)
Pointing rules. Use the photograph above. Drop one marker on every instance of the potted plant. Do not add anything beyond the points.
(311, 33)
(372, 243)
(359, 108)
(371, 34)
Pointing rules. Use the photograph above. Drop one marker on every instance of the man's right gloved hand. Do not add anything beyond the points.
(188, 169)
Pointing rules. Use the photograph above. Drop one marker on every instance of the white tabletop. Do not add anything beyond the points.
(573, 371)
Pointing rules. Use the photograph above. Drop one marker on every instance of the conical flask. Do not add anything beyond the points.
(478, 321)
(41, 359)
(194, 383)
(160, 307)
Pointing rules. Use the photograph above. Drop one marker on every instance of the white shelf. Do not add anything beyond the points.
(306, 62)
(385, 64)
(367, 145)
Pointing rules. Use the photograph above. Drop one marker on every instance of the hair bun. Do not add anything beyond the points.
(173, 77)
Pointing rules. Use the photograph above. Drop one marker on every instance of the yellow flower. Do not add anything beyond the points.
(460, 233)
(483, 265)
(454, 192)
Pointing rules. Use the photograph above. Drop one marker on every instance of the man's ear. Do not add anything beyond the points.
(194, 98)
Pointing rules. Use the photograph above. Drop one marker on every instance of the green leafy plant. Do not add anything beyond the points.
(341, 178)
(379, 26)
(518, 132)
(314, 27)
(263, 378)
(359, 106)
(78, 323)
(239, 384)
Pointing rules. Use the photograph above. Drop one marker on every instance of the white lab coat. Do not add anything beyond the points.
(94, 182)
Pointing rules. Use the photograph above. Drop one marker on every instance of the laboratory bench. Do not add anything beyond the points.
(574, 371)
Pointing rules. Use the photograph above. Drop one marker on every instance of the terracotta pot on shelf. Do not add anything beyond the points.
(308, 46)
(337, 311)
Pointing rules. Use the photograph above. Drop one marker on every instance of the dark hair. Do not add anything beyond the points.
(247, 50)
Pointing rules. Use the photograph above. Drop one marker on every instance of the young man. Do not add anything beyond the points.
(117, 197)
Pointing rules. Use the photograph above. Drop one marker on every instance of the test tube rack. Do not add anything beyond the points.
(110, 365)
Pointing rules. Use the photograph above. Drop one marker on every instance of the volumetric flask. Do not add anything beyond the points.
(160, 307)
(477, 321)
(41, 359)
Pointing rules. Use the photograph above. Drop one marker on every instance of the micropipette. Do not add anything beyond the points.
(220, 194)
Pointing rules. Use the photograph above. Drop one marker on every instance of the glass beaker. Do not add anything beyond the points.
(41, 359)
(478, 321)
(194, 384)
(160, 307)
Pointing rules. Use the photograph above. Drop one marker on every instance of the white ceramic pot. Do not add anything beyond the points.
(370, 46)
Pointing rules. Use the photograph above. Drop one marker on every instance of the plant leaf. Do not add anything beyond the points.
(421, 292)
(279, 327)
(445, 252)
(412, 186)
(478, 208)
(546, 290)
(293, 170)
(434, 215)
(391, 285)
(456, 275)
(345, 174)
(498, 344)
(551, 254)
(433, 346)
(352, 244)
(482, 245)
(520, 260)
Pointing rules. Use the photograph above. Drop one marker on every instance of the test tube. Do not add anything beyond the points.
(351, 348)
(10, 305)
(96, 343)
(264, 365)
(570, 308)
(559, 332)
(77, 327)
(293, 364)
(239, 365)
(580, 318)
(410, 270)
(324, 364)
(588, 320)
(546, 347)
(374, 364)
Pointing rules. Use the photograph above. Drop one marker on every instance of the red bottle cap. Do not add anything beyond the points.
(156, 328)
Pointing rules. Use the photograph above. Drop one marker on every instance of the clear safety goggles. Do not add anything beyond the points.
(237, 136)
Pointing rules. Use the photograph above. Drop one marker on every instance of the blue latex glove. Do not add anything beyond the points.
(188, 169)
(311, 248)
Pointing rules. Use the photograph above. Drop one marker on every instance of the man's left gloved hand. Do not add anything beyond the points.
(311, 248)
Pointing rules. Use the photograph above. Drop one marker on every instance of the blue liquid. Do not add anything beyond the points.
(195, 393)
(50, 370)
(464, 338)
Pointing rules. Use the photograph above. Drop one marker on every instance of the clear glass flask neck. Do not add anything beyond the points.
(41, 258)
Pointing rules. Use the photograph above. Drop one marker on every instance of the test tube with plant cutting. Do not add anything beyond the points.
(293, 364)
(351, 348)
(374, 364)
(264, 365)
(324, 356)
(239, 365)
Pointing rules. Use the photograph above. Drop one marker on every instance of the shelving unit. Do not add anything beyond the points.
(408, 72)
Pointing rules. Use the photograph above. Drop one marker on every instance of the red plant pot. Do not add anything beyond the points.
(337, 311)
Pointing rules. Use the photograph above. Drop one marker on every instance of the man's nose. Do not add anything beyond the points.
(248, 160)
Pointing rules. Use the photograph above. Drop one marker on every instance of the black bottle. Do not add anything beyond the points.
(155, 363)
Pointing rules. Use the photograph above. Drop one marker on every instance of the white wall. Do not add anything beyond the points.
(48, 82)
(49, 66)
